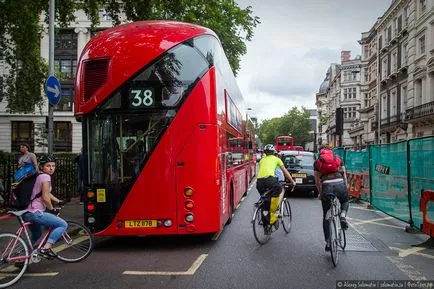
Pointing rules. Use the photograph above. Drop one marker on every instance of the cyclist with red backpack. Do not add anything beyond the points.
(331, 179)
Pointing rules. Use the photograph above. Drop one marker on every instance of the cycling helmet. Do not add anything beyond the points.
(46, 159)
(269, 149)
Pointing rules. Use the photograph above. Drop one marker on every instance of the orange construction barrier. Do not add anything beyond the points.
(427, 226)
(355, 185)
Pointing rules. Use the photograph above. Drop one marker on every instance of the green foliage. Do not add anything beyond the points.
(295, 122)
(20, 34)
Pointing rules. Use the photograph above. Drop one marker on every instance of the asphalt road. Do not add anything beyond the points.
(378, 249)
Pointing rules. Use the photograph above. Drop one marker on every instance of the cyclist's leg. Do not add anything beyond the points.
(327, 189)
(276, 192)
(58, 226)
(35, 229)
(342, 194)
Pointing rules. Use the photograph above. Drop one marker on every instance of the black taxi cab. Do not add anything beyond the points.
(300, 166)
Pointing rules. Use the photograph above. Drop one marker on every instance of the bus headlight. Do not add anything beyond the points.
(189, 218)
(167, 223)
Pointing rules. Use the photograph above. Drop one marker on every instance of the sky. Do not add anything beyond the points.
(294, 45)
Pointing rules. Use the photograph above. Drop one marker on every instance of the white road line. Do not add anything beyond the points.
(196, 264)
(51, 274)
(374, 222)
(359, 222)
(411, 251)
(409, 270)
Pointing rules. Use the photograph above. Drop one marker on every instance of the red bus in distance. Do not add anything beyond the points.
(284, 142)
(159, 105)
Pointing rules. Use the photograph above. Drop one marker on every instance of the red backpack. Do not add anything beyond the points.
(328, 162)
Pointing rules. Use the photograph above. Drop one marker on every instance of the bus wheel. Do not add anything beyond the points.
(231, 207)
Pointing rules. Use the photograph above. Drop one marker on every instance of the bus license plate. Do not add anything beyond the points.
(141, 224)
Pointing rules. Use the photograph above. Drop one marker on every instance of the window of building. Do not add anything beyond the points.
(350, 112)
(393, 104)
(405, 16)
(399, 24)
(354, 75)
(65, 68)
(403, 98)
(62, 139)
(345, 93)
(365, 74)
(394, 61)
(404, 55)
(422, 45)
(66, 40)
(65, 103)
(422, 6)
(353, 93)
(384, 107)
(384, 69)
(419, 91)
(22, 132)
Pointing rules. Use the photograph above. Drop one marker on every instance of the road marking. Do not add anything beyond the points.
(359, 222)
(375, 222)
(409, 270)
(65, 246)
(51, 274)
(196, 264)
(411, 251)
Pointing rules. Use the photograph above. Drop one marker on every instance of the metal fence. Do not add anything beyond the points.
(396, 175)
(64, 180)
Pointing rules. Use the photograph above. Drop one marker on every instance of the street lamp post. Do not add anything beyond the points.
(51, 72)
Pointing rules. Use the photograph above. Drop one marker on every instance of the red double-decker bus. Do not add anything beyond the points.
(284, 142)
(159, 103)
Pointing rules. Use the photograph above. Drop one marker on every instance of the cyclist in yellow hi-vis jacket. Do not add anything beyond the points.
(268, 182)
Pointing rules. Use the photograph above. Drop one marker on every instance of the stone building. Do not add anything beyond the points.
(31, 128)
(396, 82)
(340, 89)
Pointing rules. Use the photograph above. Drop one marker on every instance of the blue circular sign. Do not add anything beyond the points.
(53, 90)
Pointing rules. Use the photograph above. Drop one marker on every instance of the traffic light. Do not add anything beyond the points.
(339, 121)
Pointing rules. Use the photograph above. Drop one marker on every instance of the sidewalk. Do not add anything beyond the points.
(72, 211)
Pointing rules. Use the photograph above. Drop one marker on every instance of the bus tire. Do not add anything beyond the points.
(231, 206)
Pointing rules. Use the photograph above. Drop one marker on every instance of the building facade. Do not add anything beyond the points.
(396, 81)
(341, 89)
(31, 128)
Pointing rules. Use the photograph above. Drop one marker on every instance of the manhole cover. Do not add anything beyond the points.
(356, 242)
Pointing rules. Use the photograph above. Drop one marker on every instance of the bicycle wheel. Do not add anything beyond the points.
(286, 214)
(14, 258)
(333, 242)
(260, 232)
(76, 243)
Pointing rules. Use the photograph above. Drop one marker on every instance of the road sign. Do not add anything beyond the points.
(53, 90)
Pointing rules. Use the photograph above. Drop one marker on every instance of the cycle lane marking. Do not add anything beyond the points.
(196, 264)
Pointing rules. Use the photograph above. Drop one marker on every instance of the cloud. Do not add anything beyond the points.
(294, 45)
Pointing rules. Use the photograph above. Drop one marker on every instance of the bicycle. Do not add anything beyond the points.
(262, 229)
(17, 251)
(337, 234)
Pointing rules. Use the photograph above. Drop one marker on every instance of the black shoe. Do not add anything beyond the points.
(344, 224)
(268, 229)
(47, 253)
(327, 248)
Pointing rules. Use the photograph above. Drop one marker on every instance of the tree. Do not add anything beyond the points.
(20, 33)
(295, 122)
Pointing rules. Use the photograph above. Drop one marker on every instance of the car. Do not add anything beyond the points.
(300, 166)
